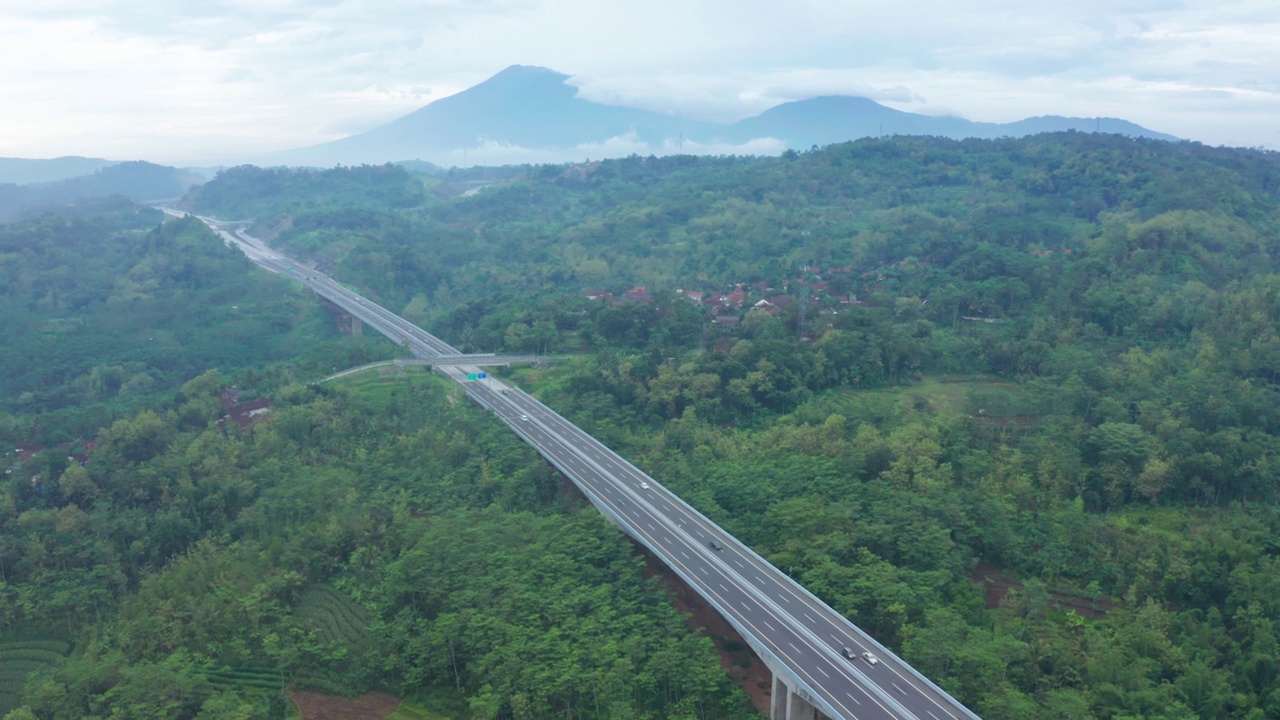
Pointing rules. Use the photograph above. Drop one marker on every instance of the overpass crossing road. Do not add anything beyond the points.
(796, 634)
(483, 360)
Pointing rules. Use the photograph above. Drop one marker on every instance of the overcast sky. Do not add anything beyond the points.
(177, 81)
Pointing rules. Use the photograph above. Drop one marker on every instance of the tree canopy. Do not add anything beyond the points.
(1009, 405)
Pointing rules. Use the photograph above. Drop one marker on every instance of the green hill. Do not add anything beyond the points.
(133, 180)
(1010, 405)
(107, 311)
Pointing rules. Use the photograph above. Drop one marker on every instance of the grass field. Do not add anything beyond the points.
(21, 655)
(941, 395)
(532, 378)
(996, 398)
(377, 385)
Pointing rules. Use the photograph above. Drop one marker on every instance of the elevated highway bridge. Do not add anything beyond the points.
(806, 644)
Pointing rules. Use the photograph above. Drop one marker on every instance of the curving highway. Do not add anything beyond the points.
(797, 635)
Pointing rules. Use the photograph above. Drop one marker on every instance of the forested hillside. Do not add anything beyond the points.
(107, 311)
(133, 180)
(378, 537)
(170, 562)
(1012, 405)
(974, 211)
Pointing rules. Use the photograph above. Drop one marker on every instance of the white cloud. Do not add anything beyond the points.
(493, 153)
(176, 81)
(727, 98)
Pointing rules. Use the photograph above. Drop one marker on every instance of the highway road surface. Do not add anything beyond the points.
(800, 632)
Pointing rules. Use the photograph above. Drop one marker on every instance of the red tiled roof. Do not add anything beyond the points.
(638, 294)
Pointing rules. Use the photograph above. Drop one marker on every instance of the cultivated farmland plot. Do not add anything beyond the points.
(19, 657)
(333, 616)
(333, 619)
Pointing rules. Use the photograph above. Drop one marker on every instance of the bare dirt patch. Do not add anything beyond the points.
(998, 583)
(736, 657)
(995, 583)
(318, 706)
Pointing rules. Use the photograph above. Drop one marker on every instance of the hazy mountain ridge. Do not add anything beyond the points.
(135, 180)
(834, 118)
(24, 171)
(526, 114)
(531, 114)
(522, 106)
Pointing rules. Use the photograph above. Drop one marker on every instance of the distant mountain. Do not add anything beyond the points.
(133, 180)
(522, 106)
(22, 171)
(530, 114)
(1057, 123)
(831, 119)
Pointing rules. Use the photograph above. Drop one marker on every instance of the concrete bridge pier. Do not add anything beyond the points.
(787, 704)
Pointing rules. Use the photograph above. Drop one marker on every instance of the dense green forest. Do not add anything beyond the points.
(191, 570)
(1011, 407)
(386, 538)
(1061, 364)
(107, 311)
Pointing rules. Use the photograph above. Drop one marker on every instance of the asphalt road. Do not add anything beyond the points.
(798, 630)
(801, 631)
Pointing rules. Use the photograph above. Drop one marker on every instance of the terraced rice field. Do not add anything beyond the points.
(333, 616)
(21, 656)
(245, 677)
